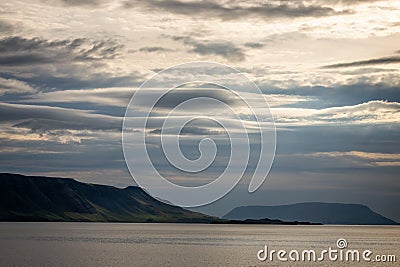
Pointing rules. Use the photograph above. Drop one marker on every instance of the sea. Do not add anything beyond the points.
(131, 244)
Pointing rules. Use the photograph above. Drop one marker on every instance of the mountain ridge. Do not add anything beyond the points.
(315, 212)
(38, 198)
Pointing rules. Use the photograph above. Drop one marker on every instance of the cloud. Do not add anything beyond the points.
(360, 154)
(221, 48)
(177, 96)
(189, 130)
(81, 3)
(375, 61)
(338, 94)
(372, 112)
(363, 158)
(254, 45)
(46, 118)
(279, 100)
(52, 124)
(16, 51)
(63, 64)
(336, 149)
(232, 11)
(117, 97)
(151, 49)
(318, 110)
(78, 77)
(12, 86)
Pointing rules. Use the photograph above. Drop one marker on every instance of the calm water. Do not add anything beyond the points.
(102, 244)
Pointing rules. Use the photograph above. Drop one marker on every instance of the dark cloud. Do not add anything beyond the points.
(151, 49)
(45, 118)
(23, 51)
(220, 48)
(73, 80)
(62, 64)
(223, 49)
(178, 96)
(81, 3)
(374, 61)
(274, 9)
(189, 130)
(254, 45)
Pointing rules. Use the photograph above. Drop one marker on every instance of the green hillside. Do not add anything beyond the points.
(27, 198)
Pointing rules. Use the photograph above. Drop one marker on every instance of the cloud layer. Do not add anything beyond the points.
(329, 70)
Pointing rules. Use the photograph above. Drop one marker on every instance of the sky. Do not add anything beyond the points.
(328, 69)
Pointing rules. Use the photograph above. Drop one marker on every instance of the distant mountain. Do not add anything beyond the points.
(316, 212)
(261, 221)
(27, 198)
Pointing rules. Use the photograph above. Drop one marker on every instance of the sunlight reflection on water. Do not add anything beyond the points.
(94, 244)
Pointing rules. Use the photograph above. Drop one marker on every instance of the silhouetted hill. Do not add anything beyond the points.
(316, 212)
(261, 221)
(28, 198)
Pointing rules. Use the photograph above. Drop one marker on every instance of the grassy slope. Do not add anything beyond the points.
(27, 198)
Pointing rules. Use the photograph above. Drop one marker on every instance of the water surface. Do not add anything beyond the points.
(114, 244)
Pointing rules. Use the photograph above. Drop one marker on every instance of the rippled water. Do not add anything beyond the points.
(103, 244)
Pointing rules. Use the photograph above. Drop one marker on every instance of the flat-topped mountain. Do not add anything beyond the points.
(315, 212)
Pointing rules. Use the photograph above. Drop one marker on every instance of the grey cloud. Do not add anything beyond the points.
(254, 45)
(189, 130)
(223, 49)
(80, 3)
(18, 60)
(195, 127)
(366, 70)
(374, 61)
(78, 79)
(117, 97)
(12, 86)
(151, 49)
(275, 9)
(23, 51)
(339, 95)
(62, 64)
(373, 112)
(48, 118)
(178, 96)
(298, 142)
(68, 159)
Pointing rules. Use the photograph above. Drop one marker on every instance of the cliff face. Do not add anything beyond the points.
(28, 198)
